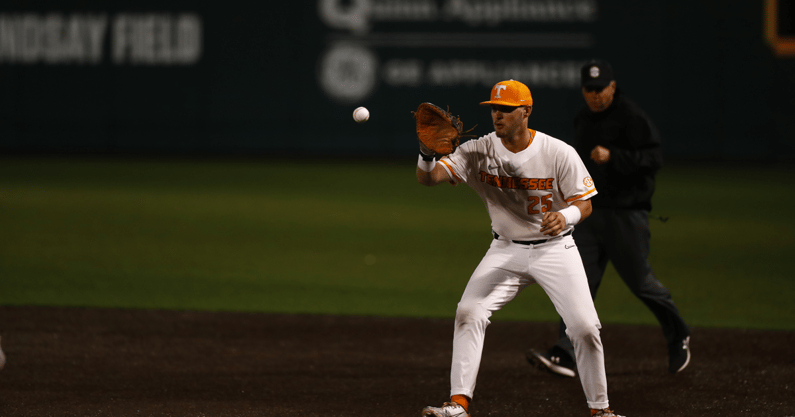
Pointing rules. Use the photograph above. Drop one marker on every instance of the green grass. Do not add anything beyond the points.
(364, 239)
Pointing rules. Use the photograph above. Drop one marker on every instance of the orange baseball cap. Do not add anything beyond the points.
(510, 93)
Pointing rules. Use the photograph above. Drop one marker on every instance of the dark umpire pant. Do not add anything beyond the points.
(622, 237)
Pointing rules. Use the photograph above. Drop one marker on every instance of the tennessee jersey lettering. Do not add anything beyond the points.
(518, 188)
(518, 183)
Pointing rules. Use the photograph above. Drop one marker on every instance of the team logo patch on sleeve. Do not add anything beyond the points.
(588, 182)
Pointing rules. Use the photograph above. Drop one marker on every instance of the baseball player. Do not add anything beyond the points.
(621, 148)
(536, 188)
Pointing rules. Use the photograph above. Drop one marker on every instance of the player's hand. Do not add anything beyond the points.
(553, 223)
(600, 155)
(425, 150)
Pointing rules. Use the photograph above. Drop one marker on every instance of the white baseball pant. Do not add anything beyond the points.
(508, 268)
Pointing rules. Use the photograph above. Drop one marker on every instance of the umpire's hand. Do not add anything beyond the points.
(600, 155)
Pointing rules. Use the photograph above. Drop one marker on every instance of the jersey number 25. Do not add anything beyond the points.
(544, 200)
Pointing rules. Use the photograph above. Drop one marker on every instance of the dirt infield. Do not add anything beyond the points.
(102, 362)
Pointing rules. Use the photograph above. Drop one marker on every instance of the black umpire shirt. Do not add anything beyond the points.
(626, 181)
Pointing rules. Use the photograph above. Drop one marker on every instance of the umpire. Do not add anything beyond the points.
(621, 149)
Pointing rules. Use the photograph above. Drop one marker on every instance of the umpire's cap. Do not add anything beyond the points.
(596, 74)
(510, 93)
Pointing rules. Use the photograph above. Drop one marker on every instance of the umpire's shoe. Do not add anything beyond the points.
(446, 410)
(679, 355)
(555, 360)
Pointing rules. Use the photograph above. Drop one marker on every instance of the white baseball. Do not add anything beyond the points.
(361, 114)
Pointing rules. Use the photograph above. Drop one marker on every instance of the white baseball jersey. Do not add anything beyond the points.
(518, 188)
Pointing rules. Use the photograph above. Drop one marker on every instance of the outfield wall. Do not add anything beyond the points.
(254, 78)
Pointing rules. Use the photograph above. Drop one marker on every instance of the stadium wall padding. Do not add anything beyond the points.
(234, 77)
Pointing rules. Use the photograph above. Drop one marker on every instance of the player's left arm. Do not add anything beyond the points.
(576, 186)
(555, 222)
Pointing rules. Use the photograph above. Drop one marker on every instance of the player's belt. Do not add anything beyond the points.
(531, 242)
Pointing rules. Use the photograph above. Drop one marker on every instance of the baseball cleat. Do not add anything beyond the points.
(555, 361)
(446, 410)
(605, 412)
(679, 355)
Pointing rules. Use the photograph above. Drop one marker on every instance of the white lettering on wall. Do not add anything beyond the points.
(494, 12)
(155, 39)
(348, 72)
(52, 39)
(472, 72)
(81, 38)
(417, 24)
(358, 16)
(351, 17)
(403, 72)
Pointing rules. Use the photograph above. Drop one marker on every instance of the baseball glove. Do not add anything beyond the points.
(437, 129)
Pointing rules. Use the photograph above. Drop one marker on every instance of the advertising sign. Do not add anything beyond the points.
(283, 79)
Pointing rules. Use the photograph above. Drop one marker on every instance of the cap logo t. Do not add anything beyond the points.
(499, 88)
(594, 72)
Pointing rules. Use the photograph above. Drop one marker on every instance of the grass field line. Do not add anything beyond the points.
(363, 239)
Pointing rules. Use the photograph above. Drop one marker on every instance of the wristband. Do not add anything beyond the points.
(425, 165)
(426, 157)
(572, 214)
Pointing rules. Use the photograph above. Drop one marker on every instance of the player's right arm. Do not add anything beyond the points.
(435, 176)
(429, 172)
